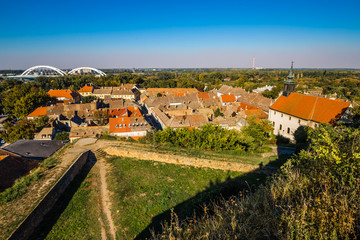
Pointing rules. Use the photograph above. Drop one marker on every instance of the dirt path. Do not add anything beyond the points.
(22, 206)
(105, 199)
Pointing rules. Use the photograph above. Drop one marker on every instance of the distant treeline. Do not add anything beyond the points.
(344, 83)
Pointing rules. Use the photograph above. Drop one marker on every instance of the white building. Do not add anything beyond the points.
(292, 110)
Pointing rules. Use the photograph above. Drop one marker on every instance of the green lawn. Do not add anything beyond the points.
(144, 192)
(79, 220)
(143, 195)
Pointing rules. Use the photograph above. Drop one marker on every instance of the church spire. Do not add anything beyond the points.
(289, 85)
(291, 74)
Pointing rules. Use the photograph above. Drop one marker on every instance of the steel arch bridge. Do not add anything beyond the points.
(32, 69)
(75, 70)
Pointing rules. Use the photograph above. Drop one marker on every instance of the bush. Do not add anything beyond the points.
(18, 189)
(107, 137)
(61, 136)
(282, 140)
(316, 195)
(213, 137)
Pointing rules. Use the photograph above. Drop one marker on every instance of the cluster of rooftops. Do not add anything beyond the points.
(130, 111)
(176, 108)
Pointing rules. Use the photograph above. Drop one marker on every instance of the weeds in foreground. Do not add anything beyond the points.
(316, 195)
(20, 186)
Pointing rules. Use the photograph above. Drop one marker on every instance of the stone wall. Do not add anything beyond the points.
(26, 227)
(182, 160)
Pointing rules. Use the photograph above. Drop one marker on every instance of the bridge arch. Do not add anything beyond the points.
(101, 73)
(29, 70)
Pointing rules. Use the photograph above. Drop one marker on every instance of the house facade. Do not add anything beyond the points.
(292, 110)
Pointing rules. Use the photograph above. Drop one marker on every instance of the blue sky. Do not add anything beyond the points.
(126, 34)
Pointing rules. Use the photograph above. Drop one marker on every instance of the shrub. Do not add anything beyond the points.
(61, 136)
(316, 195)
(207, 137)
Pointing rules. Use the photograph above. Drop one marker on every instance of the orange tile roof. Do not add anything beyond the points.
(40, 111)
(134, 112)
(3, 157)
(203, 95)
(86, 89)
(118, 112)
(117, 121)
(257, 112)
(172, 90)
(313, 108)
(246, 106)
(179, 94)
(228, 98)
(65, 93)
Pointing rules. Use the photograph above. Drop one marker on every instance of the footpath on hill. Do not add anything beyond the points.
(13, 212)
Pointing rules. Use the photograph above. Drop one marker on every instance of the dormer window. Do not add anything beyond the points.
(116, 126)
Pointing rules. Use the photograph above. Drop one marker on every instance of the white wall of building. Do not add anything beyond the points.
(130, 134)
(285, 124)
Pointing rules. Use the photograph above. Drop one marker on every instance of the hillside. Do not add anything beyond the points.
(314, 196)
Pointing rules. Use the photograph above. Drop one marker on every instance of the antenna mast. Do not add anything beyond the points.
(253, 63)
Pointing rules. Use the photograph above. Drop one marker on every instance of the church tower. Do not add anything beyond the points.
(289, 85)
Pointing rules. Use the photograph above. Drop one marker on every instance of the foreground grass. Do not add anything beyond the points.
(80, 218)
(16, 197)
(145, 191)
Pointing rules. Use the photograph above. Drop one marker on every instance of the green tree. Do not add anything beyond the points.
(41, 122)
(23, 129)
(61, 136)
(259, 130)
(88, 99)
(355, 117)
(101, 117)
(25, 105)
(217, 113)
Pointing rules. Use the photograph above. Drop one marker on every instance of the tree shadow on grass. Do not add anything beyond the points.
(244, 184)
(215, 191)
(53, 215)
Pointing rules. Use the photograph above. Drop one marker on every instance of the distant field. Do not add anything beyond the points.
(144, 192)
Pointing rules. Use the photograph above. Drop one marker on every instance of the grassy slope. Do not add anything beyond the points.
(144, 191)
(80, 218)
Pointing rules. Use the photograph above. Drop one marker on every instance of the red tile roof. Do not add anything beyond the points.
(246, 106)
(62, 93)
(257, 112)
(313, 108)
(118, 112)
(134, 112)
(86, 89)
(113, 122)
(203, 95)
(40, 111)
(172, 90)
(228, 98)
